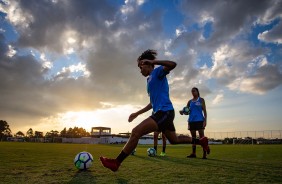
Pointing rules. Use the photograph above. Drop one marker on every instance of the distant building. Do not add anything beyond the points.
(100, 131)
(102, 135)
(15, 139)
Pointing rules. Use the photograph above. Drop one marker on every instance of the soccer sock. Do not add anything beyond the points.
(121, 157)
(204, 154)
(164, 148)
(194, 148)
(156, 147)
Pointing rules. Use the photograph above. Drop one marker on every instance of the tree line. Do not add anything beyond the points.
(75, 132)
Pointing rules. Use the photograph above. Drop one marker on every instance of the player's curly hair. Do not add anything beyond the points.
(148, 54)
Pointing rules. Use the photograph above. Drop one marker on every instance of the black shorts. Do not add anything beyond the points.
(197, 125)
(164, 120)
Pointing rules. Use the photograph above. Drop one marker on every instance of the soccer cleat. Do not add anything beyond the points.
(192, 155)
(205, 144)
(112, 164)
(162, 154)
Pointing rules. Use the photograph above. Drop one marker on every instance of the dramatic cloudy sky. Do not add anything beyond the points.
(66, 63)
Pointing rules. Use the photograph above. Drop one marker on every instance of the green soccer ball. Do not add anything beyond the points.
(186, 110)
(151, 152)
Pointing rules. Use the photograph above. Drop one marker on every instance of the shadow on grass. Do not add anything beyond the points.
(160, 159)
(218, 163)
(153, 159)
(87, 177)
(83, 177)
(121, 181)
(245, 164)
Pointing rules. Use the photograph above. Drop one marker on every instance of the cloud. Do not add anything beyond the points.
(272, 36)
(45, 63)
(234, 59)
(185, 76)
(243, 68)
(218, 98)
(227, 23)
(22, 85)
(72, 69)
(266, 78)
(107, 38)
(26, 95)
(11, 52)
(108, 71)
(273, 11)
(15, 14)
(230, 60)
(180, 30)
(47, 25)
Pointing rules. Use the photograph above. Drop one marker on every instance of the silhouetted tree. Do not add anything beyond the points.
(52, 133)
(76, 132)
(5, 130)
(19, 134)
(29, 133)
(70, 132)
(63, 133)
(38, 134)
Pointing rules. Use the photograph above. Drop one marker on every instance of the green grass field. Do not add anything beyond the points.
(53, 163)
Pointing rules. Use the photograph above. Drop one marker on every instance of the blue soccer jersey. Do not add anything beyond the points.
(158, 90)
(196, 111)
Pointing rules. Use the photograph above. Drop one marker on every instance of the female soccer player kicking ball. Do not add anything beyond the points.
(162, 119)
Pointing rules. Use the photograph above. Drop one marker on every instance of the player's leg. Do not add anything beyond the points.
(164, 144)
(201, 133)
(145, 127)
(193, 154)
(205, 152)
(174, 139)
(156, 137)
(167, 127)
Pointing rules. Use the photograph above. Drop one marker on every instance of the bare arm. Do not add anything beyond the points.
(134, 115)
(145, 109)
(188, 103)
(205, 111)
(168, 65)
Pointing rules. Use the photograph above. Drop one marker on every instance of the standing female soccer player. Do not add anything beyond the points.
(156, 136)
(197, 120)
(162, 119)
